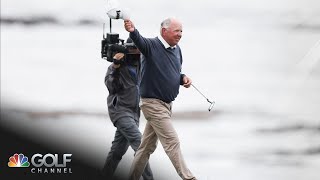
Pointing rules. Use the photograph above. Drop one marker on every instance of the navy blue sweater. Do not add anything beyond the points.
(161, 68)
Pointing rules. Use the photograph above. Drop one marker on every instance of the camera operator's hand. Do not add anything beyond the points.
(117, 58)
(128, 25)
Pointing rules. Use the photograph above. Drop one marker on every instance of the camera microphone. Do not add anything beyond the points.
(118, 14)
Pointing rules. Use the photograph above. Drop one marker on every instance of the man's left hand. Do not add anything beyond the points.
(186, 81)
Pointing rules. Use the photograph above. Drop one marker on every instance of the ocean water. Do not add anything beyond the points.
(259, 62)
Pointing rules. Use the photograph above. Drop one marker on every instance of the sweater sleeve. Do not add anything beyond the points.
(141, 42)
(181, 79)
(181, 75)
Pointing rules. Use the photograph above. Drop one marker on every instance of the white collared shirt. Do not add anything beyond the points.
(164, 42)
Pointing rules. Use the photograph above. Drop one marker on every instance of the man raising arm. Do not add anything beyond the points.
(161, 79)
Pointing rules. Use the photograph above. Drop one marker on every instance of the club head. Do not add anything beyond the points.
(211, 105)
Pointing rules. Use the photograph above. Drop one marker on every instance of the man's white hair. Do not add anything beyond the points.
(166, 23)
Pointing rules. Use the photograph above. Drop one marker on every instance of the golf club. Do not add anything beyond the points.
(211, 102)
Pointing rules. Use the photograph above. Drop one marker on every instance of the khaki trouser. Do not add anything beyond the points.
(158, 114)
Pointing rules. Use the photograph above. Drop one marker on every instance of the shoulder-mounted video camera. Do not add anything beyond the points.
(112, 44)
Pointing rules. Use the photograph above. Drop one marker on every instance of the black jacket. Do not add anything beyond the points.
(123, 99)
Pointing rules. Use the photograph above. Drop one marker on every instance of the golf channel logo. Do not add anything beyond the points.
(48, 163)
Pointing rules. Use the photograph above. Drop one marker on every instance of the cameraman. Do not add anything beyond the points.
(122, 80)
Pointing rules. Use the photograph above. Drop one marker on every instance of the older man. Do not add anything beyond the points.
(161, 79)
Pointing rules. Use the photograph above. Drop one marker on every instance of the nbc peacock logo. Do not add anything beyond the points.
(18, 160)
